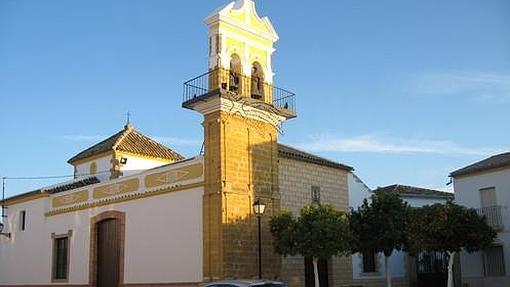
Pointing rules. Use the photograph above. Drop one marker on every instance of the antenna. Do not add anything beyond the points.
(3, 198)
(2, 223)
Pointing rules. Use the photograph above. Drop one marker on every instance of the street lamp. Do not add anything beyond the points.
(258, 209)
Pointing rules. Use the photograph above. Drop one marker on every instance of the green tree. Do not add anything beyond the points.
(449, 228)
(380, 226)
(320, 232)
(283, 229)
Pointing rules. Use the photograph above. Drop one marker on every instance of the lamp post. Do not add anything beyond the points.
(258, 209)
(8, 235)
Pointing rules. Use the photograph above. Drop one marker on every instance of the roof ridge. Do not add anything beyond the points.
(80, 154)
(130, 140)
(127, 129)
(308, 156)
(499, 160)
(307, 152)
(408, 189)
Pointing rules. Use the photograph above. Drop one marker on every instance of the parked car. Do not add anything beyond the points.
(245, 283)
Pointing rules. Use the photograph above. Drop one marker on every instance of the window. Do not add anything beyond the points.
(316, 194)
(60, 257)
(93, 168)
(494, 261)
(488, 197)
(369, 262)
(22, 220)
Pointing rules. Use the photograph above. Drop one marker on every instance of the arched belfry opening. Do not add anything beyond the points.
(235, 74)
(257, 81)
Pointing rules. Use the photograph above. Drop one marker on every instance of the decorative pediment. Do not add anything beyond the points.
(242, 14)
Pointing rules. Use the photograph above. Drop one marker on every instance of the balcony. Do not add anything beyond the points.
(494, 216)
(223, 82)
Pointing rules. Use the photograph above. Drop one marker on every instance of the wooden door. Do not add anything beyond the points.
(108, 253)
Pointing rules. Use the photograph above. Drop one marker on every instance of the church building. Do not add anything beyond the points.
(138, 213)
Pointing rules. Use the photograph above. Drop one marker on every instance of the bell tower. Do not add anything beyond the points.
(243, 112)
(243, 43)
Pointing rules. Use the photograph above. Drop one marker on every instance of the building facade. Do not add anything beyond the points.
(370, 269)
(304, 179)
(139, 214)
(484, 186)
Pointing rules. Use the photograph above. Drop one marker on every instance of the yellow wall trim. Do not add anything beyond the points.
(120, 187)
(124, 198)
(24, 198)
(72, 198)
(187, 172)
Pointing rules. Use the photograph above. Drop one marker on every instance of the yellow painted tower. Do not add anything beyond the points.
(242, 112)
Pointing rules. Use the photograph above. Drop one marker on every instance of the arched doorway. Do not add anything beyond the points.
(107, 249)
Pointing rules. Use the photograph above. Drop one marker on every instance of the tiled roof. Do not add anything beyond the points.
(293, 153)
(131, 141)
(413, 190)
(496, 161)
(71, 185)
(21, 195)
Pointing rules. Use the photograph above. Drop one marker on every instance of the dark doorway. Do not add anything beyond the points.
(322, 267)
(432, 269)
(108, 253)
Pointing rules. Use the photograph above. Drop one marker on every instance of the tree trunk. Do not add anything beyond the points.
(451, 260)
(316, 272)
(388, 273)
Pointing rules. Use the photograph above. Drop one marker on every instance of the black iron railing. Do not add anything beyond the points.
(255, 88)
(493, 214)
(196, 87)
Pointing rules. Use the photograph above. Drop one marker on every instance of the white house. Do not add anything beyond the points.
(485, 185)
(370, 270)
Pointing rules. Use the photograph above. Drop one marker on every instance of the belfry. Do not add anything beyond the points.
(242, 111)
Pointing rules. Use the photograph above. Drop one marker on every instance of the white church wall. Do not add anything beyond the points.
(135, 164)
(103, 168)
(163, 231)
(166, 234)
(25, 258)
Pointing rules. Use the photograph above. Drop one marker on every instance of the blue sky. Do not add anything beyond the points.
(404, 91)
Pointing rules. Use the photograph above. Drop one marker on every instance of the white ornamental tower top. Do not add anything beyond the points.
(241, 40)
